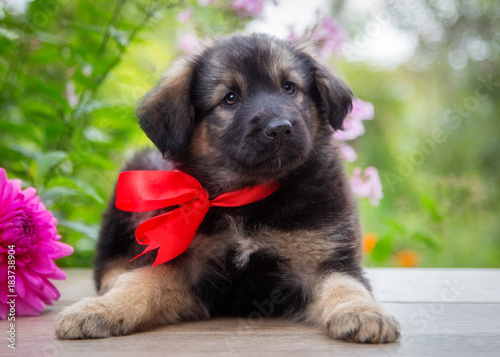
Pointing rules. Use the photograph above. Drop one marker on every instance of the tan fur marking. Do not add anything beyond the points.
(140, 299)
(316, 122)
(226, 116)
(303, 251)
(200, 145)
(113, 269)
(283, 69)
(174, 79)
(308, 46)
(347, 311)
(296, 78)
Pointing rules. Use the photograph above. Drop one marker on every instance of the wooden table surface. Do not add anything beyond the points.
(443, 312)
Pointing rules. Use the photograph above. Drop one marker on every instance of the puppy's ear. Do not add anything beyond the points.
(166, 113)
(335, 96)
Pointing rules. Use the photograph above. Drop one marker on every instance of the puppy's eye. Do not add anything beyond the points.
(230, 99)
(289, 87)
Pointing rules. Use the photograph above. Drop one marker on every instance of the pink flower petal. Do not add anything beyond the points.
(368, 186)
(42, 264)
(248, 7)
(25, 309)
(351, 129)
(3, 294)
(64, 250)
(31, 278)
(189, 43)
(4, 311)
(57, 274)
(348, 152)
(20, 287)
(33, 300)
(205, 2)
(50, 291)
(353, 125)
(362, 110)
(26, 224)
(184, 16)
(329, 36)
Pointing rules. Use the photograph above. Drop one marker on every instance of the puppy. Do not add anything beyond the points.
(246, 110)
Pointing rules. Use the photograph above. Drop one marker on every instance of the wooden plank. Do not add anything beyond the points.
(435, 285)
(433, 328)
(456, 330)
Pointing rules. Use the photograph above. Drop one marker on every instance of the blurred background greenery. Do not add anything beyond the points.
(71, 73)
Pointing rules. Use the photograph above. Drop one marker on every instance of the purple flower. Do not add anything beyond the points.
(205, 2)
(368, 185)
(30, 230)
(249, 7)
(348, 152)
(293, 36)
(362, 110)
(184, 16)
(329, 36)
(353, 125)
(189, 43)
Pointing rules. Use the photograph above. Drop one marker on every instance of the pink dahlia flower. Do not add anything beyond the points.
(29, 230)
(367, 186)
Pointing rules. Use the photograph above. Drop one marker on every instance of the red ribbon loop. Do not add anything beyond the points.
(172, 232)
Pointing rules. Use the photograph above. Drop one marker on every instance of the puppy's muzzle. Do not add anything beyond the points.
(278, 131)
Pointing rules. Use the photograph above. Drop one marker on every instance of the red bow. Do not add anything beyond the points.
(172, 232)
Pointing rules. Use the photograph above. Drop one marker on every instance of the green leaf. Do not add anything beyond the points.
(121, 37)
(53, 194)
(383, 249)
(87, 230)
(23, 150)
(89, 191)
(10, 34)
(86, 27)
(48, 37)
(400, 228)
(428, 240)
(48, 161)
(81, 187)
(430, 204)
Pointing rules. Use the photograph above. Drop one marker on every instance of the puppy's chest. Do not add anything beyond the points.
(297, 251)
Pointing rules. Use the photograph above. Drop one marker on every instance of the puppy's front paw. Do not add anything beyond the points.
(362, 322)
(90, 318)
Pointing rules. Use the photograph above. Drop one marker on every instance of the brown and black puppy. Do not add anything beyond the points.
(245, 110)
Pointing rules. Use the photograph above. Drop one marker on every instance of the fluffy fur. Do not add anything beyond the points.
(245, 110)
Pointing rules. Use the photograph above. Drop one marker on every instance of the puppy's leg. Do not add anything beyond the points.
(113, 270)
(139, 299)
(348, 311)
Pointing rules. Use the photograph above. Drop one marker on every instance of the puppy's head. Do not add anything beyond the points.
(252, 108)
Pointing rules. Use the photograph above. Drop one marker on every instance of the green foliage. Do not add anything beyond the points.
(71, 74)
(435, 138)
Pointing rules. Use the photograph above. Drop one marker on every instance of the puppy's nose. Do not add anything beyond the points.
(279, 130)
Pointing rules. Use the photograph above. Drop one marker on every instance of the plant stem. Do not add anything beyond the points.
(89, 95)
